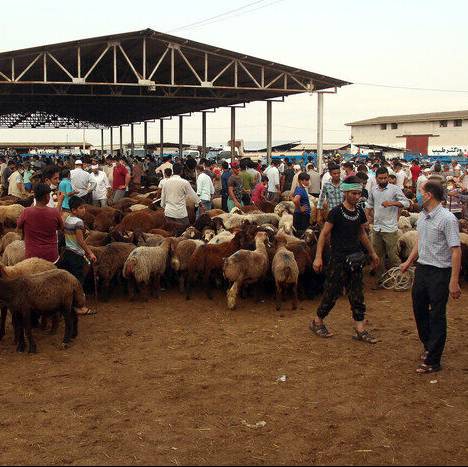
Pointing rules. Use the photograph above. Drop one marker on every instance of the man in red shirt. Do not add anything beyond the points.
(121, 180)
(39, 225)
(416, 172)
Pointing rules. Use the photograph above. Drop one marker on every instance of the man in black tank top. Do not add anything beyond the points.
(346, 227)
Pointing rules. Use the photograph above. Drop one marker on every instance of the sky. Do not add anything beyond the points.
(408, 43)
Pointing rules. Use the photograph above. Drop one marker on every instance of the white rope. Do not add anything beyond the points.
(398, 281)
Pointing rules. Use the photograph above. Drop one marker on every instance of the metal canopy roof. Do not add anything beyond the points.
(144, 75)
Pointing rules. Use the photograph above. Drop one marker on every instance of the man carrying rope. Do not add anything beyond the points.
(346, 226)
(438, 254)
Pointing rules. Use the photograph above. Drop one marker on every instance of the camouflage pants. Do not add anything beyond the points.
(337, 278)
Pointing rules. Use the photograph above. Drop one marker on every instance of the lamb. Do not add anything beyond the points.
(14, 253)
(146, 265)
(246, 267)
(8, 238)
(95, 238)
(284, 206)
(49, 292)
(286, 274)
(234, 221)
(110, 262)
(404, 224)
(222, 237)
(138, 207)
(182, 252)
(142, 220)
(406, 244)
(106, 219)
(208, 234)
(10, 214)
(144, 239)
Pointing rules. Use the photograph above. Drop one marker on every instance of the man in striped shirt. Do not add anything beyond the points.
(331, 193)
(438, 254)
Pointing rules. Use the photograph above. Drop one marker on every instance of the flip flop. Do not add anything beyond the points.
(428, 369)
(88, 312)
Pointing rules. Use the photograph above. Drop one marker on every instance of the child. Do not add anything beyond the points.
(76, 249)
(392, 179)
(302, 203)
(258, 194)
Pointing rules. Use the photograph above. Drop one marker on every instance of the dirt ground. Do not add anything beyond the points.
(175, 382)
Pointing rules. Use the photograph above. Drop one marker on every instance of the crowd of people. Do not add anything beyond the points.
(351, 198)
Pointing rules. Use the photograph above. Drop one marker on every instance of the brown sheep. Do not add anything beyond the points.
(163, 233)
(208, 260)
(285, 272)
(49, 292)
(95, 238)
(108, 218)
(143, 221)
(8, 238)
(110, 262)
(182, 251)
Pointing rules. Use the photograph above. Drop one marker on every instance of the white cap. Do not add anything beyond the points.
(78, 162)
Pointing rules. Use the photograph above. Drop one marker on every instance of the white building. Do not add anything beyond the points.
(441, 133)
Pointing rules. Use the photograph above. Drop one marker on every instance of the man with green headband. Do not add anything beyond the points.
(346, 227)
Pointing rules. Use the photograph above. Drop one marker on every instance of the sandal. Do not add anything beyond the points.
(320, 331)
(428, 369)
(87, 312)
(365, 337)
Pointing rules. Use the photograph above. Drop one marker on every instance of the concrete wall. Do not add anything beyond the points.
(446, 141)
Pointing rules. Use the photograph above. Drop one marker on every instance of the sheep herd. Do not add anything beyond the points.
(137, 246)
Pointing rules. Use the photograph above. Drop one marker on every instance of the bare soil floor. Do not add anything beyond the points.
(176, 382)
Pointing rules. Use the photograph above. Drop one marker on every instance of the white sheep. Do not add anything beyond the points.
(14, 253)
(146, 265)
(285, 206)
(246, 267)
(235, 221)
(404, 224)
(8, 238)
(286, 223)
(406, 244)
(222, 237)
(10, 213)
(138, 207)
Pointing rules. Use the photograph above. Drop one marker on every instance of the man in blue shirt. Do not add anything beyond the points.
(224, 185)
(302, 203)
(438, 255)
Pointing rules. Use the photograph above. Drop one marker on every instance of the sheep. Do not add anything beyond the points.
(222, 237)
(14, 253)
(144, 239)
(145, 265)
(138, 207)
(404, 224)
(163, 233)
(234, 221)
(286, 223)
(110, 262)
(8, 238)
(48, 292)
(209, 259)
(208, 234)
(106, 219)
(95, 238)
(10, 214)
(286, 273)
(182, 252)
(26, 267)
(246, 267)
(284, 206)
(218, 203)
(142, 220)
(406, 244)
(214, 212)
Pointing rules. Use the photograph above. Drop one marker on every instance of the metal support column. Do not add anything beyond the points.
(102, 143)
(203, 134)
(121, 141)
(320, 133)
(146, 137)
(233, 133)
(181, 135)
(111, 130)
(132, 139)
(161, 137)
(269, 131)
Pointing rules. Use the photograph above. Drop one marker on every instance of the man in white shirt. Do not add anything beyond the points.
(108, 169)
(400, 175)
(167, 164)
(15, 183)
(273, 181)
(314, 187)
(81, 182)
(175, 194)
(205, 188)
(101, 191)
